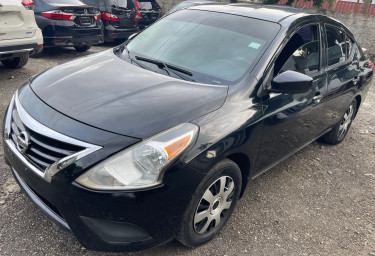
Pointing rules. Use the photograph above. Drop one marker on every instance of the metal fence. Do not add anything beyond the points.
(341, 6)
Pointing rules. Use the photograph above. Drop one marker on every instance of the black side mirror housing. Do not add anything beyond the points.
(291, 82)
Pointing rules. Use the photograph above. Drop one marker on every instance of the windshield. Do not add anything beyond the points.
(216, 48)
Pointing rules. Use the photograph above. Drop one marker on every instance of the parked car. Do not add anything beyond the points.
(19, 34)
(158, 138)
(190, 3)
(120, 17)
(150, 11)
(68, 23)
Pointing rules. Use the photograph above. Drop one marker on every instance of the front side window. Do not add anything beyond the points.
(337, 46)
(301, 53)
(217, 48)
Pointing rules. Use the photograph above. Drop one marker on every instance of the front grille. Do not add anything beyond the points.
(42, 151)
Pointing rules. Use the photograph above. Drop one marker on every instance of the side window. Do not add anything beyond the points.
(301, 53)
(337, 46)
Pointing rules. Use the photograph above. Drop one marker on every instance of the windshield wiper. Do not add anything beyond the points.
(125, 47)
(169, 68)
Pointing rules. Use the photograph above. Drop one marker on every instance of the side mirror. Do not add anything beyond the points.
(132, 36)
(291, 82)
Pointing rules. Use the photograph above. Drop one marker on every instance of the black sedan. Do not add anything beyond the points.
(158, 138)
(150, 11)
(68, 23)
(120, 18)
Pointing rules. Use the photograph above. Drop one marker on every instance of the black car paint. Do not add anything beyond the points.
(149, 16)
(113, 30)
(118, 110)
(61, 33)
(252, 127)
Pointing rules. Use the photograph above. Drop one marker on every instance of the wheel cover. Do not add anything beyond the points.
(214, 204)
(345, 122)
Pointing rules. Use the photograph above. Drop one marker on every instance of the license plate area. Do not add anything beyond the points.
(85, 20)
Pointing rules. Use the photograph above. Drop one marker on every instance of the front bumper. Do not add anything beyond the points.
(104, 220)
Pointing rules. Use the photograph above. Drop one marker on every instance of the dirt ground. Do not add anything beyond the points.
(320, 201)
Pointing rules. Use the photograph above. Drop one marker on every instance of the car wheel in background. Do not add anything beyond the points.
(338, 133)
(16, 62)
(211, 205)
(82, 48)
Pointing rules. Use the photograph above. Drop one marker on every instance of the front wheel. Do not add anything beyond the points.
(82, 48)
(16, 62)
(339, 132)
(212, 204)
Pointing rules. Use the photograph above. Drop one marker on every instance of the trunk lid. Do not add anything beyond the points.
(150, 10)
(15, 21)
(81, 14)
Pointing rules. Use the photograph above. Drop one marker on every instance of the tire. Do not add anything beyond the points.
(82, 48)
(37, 55)
(17, 62)
(339, 132)
(213, 201)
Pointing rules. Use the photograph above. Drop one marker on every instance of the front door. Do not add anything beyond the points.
(293, 120)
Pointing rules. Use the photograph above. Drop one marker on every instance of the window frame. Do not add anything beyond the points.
(349, 57)
(269, 76)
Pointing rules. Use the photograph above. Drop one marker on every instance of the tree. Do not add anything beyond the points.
(366, 6)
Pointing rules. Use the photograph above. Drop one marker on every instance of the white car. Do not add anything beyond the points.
(19, 33)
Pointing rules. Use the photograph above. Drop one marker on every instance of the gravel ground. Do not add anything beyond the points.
(320, 201)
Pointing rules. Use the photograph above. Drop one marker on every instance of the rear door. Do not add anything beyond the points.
(16, 22)
(343, 71)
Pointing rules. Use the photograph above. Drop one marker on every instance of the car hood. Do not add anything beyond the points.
(109, 93)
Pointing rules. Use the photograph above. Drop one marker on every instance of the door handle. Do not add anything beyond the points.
(317, 98)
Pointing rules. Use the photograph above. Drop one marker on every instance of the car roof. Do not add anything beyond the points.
(272, 13)
(201, 1)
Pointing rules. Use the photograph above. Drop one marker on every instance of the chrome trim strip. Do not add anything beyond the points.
(37, 127)
(18, 51)
(15, 151)
(8, 118)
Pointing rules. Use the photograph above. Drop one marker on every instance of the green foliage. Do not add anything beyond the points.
(289, 2)
(317, 3)
(270, 1)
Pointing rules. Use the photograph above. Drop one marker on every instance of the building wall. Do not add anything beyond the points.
(362, 26)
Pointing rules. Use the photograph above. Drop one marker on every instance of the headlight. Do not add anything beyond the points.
(143, 164)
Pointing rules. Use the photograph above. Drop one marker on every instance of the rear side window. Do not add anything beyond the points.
(103, 5)
(301, 53)
(337, 45)
(65, 2)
